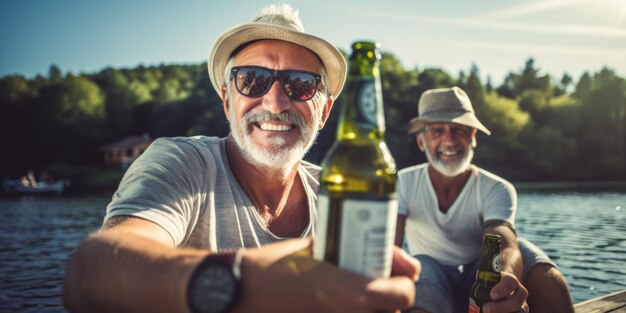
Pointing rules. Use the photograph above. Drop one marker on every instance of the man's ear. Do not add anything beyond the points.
(326, 110)
(225, 103)
(420, 142)
(473, 142)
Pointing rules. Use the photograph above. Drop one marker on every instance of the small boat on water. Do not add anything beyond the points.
(18, 186)
(28, 184)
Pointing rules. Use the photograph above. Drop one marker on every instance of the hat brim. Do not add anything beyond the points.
(231, 39)
(463, 118)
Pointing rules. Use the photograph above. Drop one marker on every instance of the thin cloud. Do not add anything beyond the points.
(501, 21)
(549, 49)
(562, 29)
(531, 8)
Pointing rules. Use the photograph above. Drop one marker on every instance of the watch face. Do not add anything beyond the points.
(213, 289)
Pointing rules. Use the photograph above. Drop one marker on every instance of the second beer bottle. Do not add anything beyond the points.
(488, 273)
(357, 203)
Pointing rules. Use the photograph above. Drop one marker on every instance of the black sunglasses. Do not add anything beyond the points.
(256, 81)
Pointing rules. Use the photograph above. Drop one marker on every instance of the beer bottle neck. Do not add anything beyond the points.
(362, 116)
(490, 261)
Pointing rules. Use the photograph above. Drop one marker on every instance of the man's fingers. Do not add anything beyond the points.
(507, 285)
(404, 265)
(513, 301)
(389, 294)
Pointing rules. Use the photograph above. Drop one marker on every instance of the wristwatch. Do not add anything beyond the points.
(215, 283)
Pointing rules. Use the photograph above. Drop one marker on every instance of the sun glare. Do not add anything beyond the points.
(621, 4)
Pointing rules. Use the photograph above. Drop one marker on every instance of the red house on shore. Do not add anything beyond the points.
(125, 151)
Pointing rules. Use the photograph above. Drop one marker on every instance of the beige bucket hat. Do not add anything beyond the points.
(445, 105)
(275, 26)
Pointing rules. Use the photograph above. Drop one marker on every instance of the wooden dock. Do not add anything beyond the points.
(613, 303)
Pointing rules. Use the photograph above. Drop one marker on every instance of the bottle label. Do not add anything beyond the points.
(473, 307)
(366, 102)
(367, 234)
(321, 227)
(496, 263)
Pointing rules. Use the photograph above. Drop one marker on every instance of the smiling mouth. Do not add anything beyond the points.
(449, 152)
(275, 127)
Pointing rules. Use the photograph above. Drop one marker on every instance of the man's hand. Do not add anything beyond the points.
(509, 296)
(283, 277)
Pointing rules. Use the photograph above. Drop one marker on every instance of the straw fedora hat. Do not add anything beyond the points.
(445, 105)
(274, 25)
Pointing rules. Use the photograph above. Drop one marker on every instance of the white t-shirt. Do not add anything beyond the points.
(186, 186)
(454, 237)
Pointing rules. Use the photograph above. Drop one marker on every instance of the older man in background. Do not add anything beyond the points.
(446, 206)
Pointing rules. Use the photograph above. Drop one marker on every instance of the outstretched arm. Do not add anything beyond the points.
(133, 266)
(129, 266)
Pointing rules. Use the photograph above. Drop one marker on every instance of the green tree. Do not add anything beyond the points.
(529, 79)
(123, 91)
(54, 72)
(498, 152)
(603, 102)
(435, 78)
(16, 129)
(69, 116)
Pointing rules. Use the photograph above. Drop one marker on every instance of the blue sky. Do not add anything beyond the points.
(497, 35)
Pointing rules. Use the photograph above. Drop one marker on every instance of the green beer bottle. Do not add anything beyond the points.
(488, 273)
(357, 202)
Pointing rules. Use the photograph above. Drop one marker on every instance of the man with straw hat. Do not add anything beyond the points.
(446, 206)
(207, 224)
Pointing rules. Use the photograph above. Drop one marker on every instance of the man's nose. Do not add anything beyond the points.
(275, 100)
(448, 135)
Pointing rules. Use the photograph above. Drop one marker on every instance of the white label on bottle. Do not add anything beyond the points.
(367, 236)
(496, 263)
(321, 226)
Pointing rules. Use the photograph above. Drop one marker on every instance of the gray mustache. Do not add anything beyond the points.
(264, 116)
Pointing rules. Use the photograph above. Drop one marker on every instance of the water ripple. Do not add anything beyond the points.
(583, 233)
(37, 236)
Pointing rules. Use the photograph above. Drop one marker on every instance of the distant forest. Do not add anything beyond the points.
(543, 128)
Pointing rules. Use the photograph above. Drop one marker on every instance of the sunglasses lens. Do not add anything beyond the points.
(299, 86)
(252, 82)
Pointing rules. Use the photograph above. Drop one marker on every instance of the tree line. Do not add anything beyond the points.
(543, 128)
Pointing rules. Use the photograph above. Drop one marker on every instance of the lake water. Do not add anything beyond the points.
(583, 231)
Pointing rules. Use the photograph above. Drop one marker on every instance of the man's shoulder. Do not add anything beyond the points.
(199, 143)
(413, 170)
(487, 177)
(194, 140)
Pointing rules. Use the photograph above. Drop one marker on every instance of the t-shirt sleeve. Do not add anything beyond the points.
(500, 202)
(162, 186)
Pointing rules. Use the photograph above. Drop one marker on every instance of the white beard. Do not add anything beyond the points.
(450, 168)
(278, 159)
